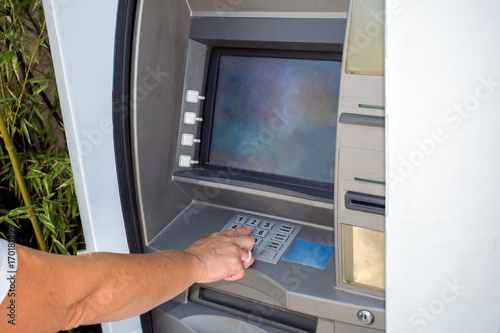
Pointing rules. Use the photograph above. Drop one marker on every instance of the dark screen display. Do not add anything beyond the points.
(276, 116)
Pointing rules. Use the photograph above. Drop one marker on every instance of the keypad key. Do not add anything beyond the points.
(253, 222)
(280, 237)
(274, 246)
(240, 219)
(269, 254)
(261, 233)
(272, 238)
(267, 225)
(286, 229)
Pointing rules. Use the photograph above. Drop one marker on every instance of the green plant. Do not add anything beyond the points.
(30, 109)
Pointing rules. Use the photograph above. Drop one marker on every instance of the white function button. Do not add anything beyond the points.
(267, 254)
(274, 246)
(187, 139)
(185, 161)
(190, 118)
(193, 96)
(280, 237)
(286, 229)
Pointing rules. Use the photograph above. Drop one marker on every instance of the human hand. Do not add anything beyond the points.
(222, 254)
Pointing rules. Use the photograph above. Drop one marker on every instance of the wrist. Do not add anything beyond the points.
(195, 265)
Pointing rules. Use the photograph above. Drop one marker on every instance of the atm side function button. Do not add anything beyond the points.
(267, 254)
(267, 225)
(280, 237)
(240, 219)
(274, 246)
(286, 229)
(253, 222)
(261, 233)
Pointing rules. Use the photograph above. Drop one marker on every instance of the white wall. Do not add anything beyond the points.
(443, 164)
(81, 35)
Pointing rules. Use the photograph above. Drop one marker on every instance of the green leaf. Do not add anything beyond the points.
(74, 211)
(7, 57)
(67, 183)
(41, 42)
(36, 79)
(24, 127)
(19, 211)
(37, 2)
(9, 221)
(38, 90)
(11, 93)
(32, 98)
(72, 241)
(16, 68)
(46, 185)
(47, 222)
(60, 246)
(8, 100)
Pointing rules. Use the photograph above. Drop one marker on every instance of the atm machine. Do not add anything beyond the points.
(264, 114)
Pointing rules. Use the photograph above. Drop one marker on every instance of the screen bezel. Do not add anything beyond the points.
(307, 187)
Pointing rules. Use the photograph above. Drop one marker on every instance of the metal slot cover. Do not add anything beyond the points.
(365, 203)
(295, 322)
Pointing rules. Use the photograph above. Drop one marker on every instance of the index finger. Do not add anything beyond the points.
(237, 231)
(242, 237)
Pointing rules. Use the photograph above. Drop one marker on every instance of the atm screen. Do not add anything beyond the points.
(274, 114)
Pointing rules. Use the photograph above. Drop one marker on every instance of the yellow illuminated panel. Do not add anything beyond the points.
(363, 257)
(366, 41)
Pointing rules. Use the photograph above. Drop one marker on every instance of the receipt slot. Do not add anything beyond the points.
(263, 114)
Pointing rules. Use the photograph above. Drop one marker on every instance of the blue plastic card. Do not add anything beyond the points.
(310, 254)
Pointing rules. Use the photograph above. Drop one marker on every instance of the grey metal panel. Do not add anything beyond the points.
(191, 317)
(240, 196)
(194, 80)
(167, 63)
(346, 328)
(356, 153)
(284, 276)
(224, 8)
(160, 55)
(323, 34)
(288, 285)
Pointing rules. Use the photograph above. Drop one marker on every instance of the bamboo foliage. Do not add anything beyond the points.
(34, 162)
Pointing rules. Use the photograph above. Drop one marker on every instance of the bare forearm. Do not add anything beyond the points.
(134, 284)
(56, 292)
(59, 292)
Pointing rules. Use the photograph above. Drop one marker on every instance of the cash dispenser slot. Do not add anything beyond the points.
(365, 203)
(291, 322)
